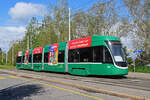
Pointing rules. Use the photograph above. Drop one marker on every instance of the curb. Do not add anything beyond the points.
(135, 77)
(130, 77)
(124, 95)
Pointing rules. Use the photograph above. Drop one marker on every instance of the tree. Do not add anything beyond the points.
(30, 38)
(79, 25)
(139, 11)
(60, 19)
(143, 59)
(102, 18)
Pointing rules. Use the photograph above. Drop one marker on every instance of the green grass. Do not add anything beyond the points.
(142, 69)
(7, 67)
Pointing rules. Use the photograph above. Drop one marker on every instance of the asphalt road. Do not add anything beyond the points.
(19, 88)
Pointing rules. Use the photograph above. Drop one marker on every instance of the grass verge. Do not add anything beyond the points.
(142, 69)
(7, 67)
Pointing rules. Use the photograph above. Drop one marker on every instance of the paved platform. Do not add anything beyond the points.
(19, 88)
(93, 87)
(138, 75)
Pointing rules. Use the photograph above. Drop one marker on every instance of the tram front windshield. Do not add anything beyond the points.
(117, 53)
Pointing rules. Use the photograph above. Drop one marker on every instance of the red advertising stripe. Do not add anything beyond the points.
(80, 43)
(27, 52)
(19, 53)
(37, 50)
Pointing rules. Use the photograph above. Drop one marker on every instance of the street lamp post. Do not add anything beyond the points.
(2, 56)
(69, 25)
(6, 57)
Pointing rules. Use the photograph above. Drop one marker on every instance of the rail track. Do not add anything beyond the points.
(121, 81)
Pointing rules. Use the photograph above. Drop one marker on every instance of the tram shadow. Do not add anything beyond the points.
(59, 73)
(109, 76)
(18, 92)
(82, 76)
(90, 76)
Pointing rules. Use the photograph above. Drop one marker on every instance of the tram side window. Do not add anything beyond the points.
(98, 54)
(46, 57)
(30, 57)
(61, 56)
(18, 59)
(74, 55)
(23, 59)
(81, 55)
(37, 58)
(86, 54)
(107, 57)
(90, 54)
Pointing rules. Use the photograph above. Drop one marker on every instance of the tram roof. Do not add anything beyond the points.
(94, 38)
(61, 44)
(102, 38)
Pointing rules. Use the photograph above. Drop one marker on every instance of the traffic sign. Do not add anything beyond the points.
(136, 51)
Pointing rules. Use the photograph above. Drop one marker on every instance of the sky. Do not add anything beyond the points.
(15, 15)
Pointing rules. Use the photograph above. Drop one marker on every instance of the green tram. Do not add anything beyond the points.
(94, 55)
